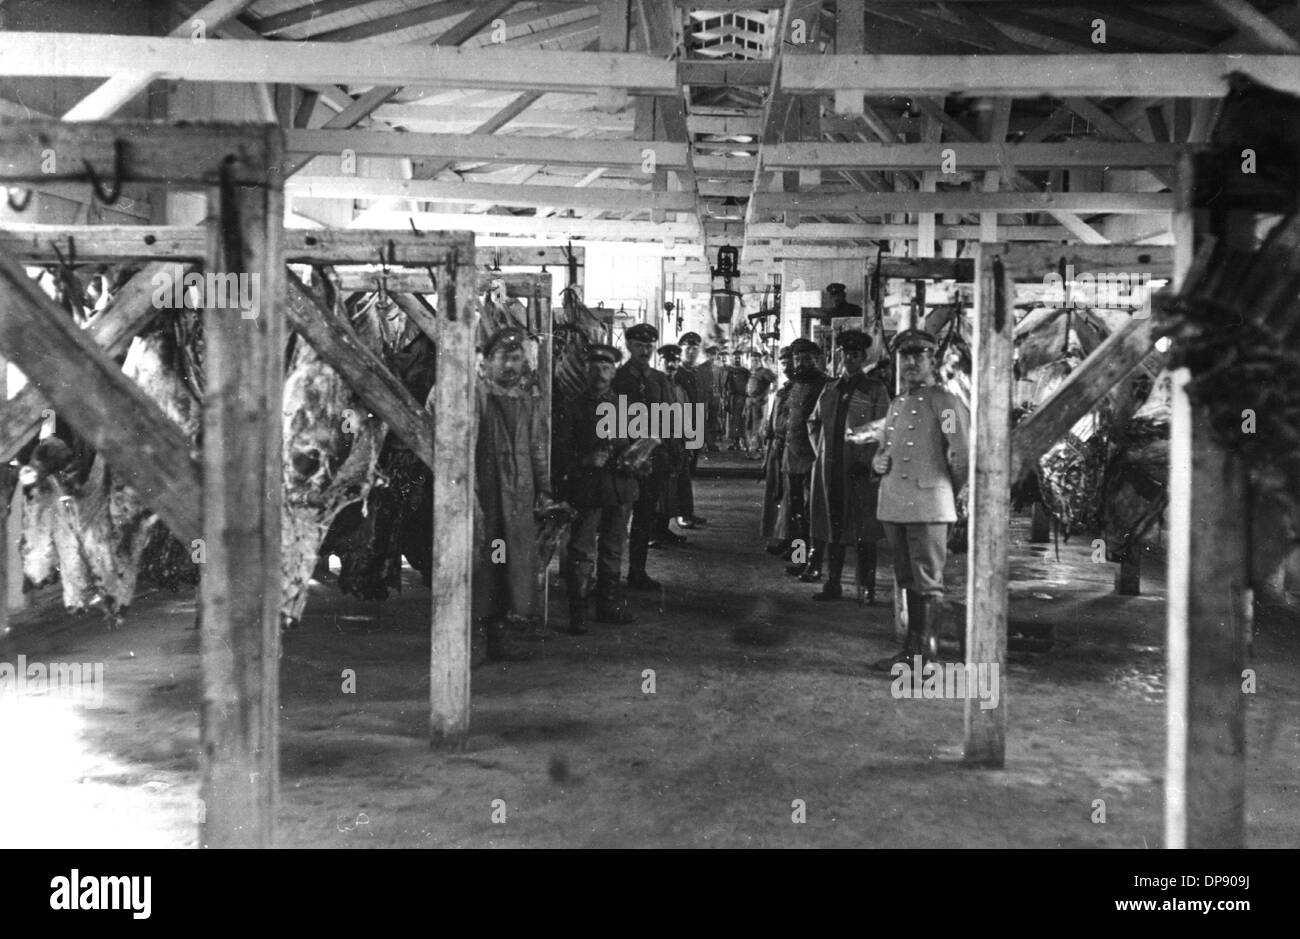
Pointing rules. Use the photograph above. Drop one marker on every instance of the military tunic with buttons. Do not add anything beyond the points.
(927, 437)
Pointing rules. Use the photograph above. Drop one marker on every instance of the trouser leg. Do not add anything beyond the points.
(610, 604)
(644, 513)
(831, 590)
(579, 564)
(928, 550)
(867, 569)
(897, 536)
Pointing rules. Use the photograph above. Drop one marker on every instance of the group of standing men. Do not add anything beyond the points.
(847, 463)
(846, 466)
(624, 492)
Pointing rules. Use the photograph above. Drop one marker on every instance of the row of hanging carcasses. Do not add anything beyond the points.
(1108, 476)
(350, 488)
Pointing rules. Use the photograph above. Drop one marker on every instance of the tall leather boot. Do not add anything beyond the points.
(611, 607)
(834, 571)
(637, 578)
(813, 572)
(499, 647)
(912, 645)
(867, 572)
(932, 627)
(578, 582)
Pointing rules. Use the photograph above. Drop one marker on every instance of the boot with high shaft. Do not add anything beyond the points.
(578, 583)
(611, 607)
(912, 644)
(831, 590)
(933, 630)
(813, 572)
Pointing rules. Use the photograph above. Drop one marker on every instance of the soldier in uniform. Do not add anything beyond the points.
(840, 305)
(673, 504)
(510, 483)
(737, 382)
(775, 505)
(797, 461)
(589, 478)
(716, 381)
(637, 381)
(758, 392)
(843, 505)
(695, 382)
(923, 461)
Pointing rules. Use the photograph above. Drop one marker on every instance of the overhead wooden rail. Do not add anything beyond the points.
(33, 244)
(237, 510)
(1152, 75)
(966, 156)
(1006, 203)
(79, 55)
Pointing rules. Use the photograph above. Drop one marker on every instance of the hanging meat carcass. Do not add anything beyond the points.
(394, 520)
(1107, 474)
(88, 531)
(1068, 481)
(1135, 493)
(332, 449)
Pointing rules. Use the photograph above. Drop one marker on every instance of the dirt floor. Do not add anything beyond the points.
(733, 734)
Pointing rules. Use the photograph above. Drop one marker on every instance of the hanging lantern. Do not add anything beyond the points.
(724, 298)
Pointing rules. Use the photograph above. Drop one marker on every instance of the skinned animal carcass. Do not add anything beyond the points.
(395, 519)
(332, 449)
(1108, 473)
(88, 531)
(1137, 476)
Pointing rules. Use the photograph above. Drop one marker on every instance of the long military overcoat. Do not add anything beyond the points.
(844, 490)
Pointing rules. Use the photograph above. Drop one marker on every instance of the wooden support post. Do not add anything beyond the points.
(239, 641)
(931, 131)
(455, 433)
(990, 505)
(1209, 612)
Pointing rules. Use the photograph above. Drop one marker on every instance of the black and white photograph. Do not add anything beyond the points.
(866, 424)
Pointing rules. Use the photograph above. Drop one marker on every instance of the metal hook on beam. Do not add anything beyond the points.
(103, 195)
(18, 206)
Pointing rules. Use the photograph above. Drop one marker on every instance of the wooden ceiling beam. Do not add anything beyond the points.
(1006, 203)
(579, 196)
(77, 55)
(488, 148)
(614, 230)
(1257, 26)
(1162, 75)
(969, 155)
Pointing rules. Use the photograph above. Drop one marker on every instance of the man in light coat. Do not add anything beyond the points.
(511, 480)
(923, 462)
